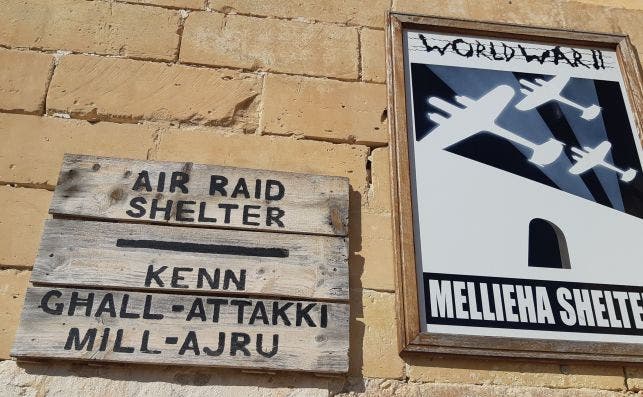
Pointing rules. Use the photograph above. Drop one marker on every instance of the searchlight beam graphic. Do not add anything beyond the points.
(479, 116)
(540, 92)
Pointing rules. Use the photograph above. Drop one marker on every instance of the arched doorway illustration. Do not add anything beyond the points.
(547, 245)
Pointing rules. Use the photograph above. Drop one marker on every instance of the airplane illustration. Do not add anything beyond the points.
(540, 92)
(588, 158)
(479, 116)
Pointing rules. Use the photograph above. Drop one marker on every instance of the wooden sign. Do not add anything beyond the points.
(123, 255)
(183, 329)
(255, 298)
(201, 195)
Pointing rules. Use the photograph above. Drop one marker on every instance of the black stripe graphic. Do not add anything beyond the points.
(551, 287)
(204, 248)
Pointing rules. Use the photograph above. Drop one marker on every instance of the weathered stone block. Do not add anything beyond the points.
(391, 388)
(209, 146)
(351, 12)
(270, 44)
(634, 376)
(22, 216)
(80, 380)
(96, 88)
(373, 55)
(587, 17)
(514, 373)
(13, 284)
(379, 194)
(90, 26)
(374, 335)
(332, 110)
(33, 147)
(546, 14)
(447, 9)
(23, 80)
(373, 265)
(632, 4)
(629, 22)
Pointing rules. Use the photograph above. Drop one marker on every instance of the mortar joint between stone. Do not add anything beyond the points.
(186, 64)
(28, 185)
(163, 6)
(4, 266)
(360, 72)
(336, 141)
(183, 16)
(258, 70)
(625, 379)
(291, 19)
(156, 144)
(50, 77)
(369, 172)
(260, 106)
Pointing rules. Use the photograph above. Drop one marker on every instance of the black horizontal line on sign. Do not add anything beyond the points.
(204, 248)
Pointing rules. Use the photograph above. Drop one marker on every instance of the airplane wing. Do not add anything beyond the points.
(581, 166)
(476, 116)
(589, 159)
(486, 110)
(555, 85)
(541, 91)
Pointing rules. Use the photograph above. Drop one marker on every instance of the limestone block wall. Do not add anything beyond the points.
(281, 84)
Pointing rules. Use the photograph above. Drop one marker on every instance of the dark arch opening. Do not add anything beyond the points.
(547, 245)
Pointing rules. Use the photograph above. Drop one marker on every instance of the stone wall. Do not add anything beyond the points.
(281, 84)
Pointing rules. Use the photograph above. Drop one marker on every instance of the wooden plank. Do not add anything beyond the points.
(201, 195)
(140, 256)
(402, 199)
(533, 346)
(540, 356)
(539, 349)
(309, 338)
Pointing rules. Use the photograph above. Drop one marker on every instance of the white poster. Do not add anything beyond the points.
(527, 189)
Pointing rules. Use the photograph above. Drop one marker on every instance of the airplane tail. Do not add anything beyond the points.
(546, 153)
(591, 112)
(628, 175)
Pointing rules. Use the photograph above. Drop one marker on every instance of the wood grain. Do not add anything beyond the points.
(320, 347)
(402, 199)
(83, 253)
(103, 188)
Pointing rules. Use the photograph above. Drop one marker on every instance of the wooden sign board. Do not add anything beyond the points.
(183, 329)
(256, 298)
(138, 256)
(201, 195)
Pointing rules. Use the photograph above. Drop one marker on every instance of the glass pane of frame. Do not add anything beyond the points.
(527, 188)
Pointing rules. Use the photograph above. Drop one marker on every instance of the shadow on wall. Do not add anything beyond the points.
(356, 268)
(110, 379)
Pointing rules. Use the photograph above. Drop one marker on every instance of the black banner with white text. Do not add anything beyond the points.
(541, 305)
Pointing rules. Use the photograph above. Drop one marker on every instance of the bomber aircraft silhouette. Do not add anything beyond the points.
(588, 158)
(480, 116)
(540, 92)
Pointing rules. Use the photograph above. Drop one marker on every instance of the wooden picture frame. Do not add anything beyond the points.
(410, 337)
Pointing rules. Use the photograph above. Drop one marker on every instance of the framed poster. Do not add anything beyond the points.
(518, 190)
